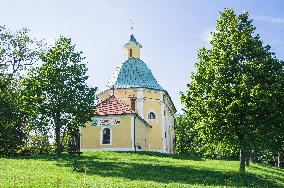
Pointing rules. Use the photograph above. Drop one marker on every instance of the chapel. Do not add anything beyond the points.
(134, 112)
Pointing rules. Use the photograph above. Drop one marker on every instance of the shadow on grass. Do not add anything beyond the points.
(134, 170)
(277, 174)
(269, 169)
(172, 156)
(180, 156)
(141, 169)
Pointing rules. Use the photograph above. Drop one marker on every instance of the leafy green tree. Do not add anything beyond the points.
(11, 119)
(272, 116)
(17, 51)
(185, 135)
(230, 89)
(188, 141)
(57, 94)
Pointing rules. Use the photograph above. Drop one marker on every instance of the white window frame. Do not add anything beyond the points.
(101, 135)
(153, 111)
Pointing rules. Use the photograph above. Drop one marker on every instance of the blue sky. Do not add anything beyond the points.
(171, 32)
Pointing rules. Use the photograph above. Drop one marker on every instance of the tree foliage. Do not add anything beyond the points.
(56, 93)
(235, 81)
(12, 121)
(17, 50)
(185, 135)
(189, 141)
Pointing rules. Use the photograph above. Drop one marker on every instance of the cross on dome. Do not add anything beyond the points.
(131, 25)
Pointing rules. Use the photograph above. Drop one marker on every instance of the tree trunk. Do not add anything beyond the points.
(242, 159)
(58, 142)
(280, 160)
(275, 160)
(248, 156)
(253, 156)
(57, 134)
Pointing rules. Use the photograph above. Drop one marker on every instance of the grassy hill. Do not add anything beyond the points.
(122, 169)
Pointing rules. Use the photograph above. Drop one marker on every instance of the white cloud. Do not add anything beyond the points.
(270, 19)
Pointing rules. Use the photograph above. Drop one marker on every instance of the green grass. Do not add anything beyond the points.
(123, 169)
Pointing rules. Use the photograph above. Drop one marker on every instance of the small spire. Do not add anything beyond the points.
(132, 38)
(133, 41)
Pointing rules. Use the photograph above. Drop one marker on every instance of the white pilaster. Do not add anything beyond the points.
(132, 131)
(140, 105)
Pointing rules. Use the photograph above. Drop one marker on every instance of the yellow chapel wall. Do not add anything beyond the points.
(169, 118)
(141, 134)
(152, 103)
(120, 135)
(170, 125)
(104, 95)
(152, 94)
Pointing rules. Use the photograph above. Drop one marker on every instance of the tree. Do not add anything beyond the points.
(185, 135)
(272, 116)
(57, 94)
(230, 89)
(11, 119)
(17, 50)
(188, 141)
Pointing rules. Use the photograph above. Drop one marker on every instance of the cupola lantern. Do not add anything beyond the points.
(132, 48)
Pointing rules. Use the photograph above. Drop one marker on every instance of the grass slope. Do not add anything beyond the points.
(123, 169)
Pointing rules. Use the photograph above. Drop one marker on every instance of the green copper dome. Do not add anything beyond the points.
(133, 73)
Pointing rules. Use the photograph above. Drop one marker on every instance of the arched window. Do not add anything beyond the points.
(130, 52)
(151, 115)
(106, 136)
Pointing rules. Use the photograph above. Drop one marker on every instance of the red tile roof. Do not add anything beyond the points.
(112, 106)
